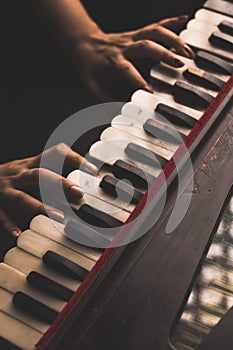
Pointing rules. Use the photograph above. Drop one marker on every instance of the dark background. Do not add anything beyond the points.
(38, 86)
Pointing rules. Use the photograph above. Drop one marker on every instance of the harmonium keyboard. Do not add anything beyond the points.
(77, 284)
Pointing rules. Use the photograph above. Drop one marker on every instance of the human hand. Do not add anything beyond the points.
(107, 63)
(20, 192)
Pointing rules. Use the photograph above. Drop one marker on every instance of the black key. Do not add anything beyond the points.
(126, 170)
(6, 345)
(60, 263)
(202, 78)
(145, 155)
(222, 6)
(221, 40)
(120, 189)
(97, 218)
(226, 27)
(49, 286)
(163, 132)
(213, 63)
(34, 307)
(175, 116)
(191, 96)
(85, 234)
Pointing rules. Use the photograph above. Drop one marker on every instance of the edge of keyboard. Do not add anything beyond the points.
(111, 254)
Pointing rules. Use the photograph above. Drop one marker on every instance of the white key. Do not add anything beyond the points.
(211, 17)
(141, 115)
(140, 119)
(109, 154)
(199, 40)
(205, 28)
(38, 245)
(97, 203)
(18, 333)
(121, 139)
(14, 281)
(91, 185)
(26, 263)
(168, 75)
(135, 128)
(7, 306)
(55, 231)
(150, 101)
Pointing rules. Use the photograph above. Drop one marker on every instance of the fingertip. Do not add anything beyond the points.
(16, 233)
(183, 18)
(54, 213)
(177, 62)
(88, 167)
(189, 51)
(147, 88)
(76, 192)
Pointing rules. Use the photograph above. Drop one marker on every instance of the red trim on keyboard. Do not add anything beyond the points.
(106, 256)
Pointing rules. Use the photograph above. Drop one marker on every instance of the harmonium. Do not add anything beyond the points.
(149, 261)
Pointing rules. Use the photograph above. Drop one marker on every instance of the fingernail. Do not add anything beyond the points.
(16, 233)
(76, 191)
(178, 62)
(189, 51)
(148, 88)
(183, 17)
(89, 168)
(54, 214)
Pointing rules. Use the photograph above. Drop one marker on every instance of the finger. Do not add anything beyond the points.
(131, 78)
(56, 156)
(165, 37)
(152, 50)
(61, 159)
(23, 204)
(49, 183)
(7, 225)
(174, 23)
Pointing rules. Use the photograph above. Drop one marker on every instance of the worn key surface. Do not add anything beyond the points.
(49, 286)
(34, 307)
(150, 101)
(55, 232)
(226, 27)
(203, 78)
(175, 116)
(145, 155)
(77, 231)
(200, 40)
(191, 96)
(214, 63)
(7, 306)
(137, 129)
(38, 245)
(23, 336)
(211, 17)
(61, 263)
(13, 281)
(165, 132)
(222, 6)
(222, 40)
(92, 185)
(26, 263)
(117, 188)
(98, 218)
(126, 170)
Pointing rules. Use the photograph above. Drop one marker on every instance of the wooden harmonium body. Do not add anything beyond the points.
(170, 287)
